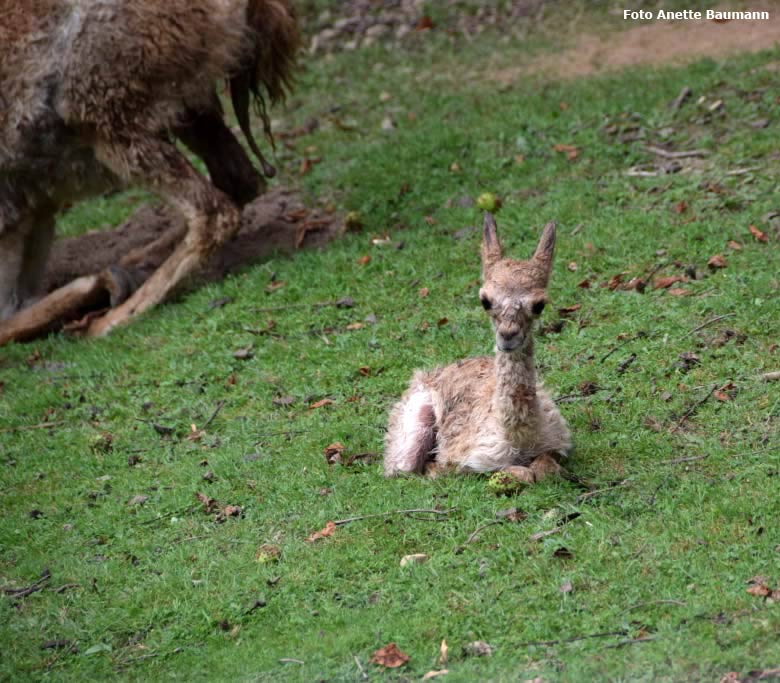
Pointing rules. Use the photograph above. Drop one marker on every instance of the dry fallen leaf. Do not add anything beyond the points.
(424, 291)
(333, 452)
(268, 553)
(571, 151)
(321, 403)
(760, 590)
(680, 207)
(759, 236)
(389, 656)
(732, 244)
(326, 531)
(416, 558)
(478, 648)
(364, 260)
(666, 282)
(585, 284)
(568, 310)
(678, 291)
(355, 326)
(276, 284)
(209, 504)
(717, 261)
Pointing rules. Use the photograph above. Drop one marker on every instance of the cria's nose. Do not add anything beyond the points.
(510, 333)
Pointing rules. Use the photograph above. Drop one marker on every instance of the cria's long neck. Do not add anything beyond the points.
(514, 399)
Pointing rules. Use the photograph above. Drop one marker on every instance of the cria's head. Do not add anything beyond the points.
(514, 292)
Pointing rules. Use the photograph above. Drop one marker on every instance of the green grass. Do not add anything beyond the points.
(162, 592)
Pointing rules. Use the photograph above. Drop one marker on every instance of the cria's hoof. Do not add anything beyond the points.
(544, 466)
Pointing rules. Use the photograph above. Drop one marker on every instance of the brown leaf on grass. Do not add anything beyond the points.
(389, 656)
(244, 353)
(424, 23)
(757, 234)
(563, 553)
(666, 282)
(430, 220)
(276, 284)
(568, 310)
(333, 453)
(721, 395)
(511, 515)
(585, 284)
(321, 403)
(364, 371)
(228, 511)
(680, 207)
(435, 674)
(637, 284)
(717, 261)
(209, 504)
(441, 322)
(423, 292)
(326, 531)
(364, 260)
(732, 244)
(572, 267)
(760, 590)
(268, 553)
(355, 326)
(478, 648)
(614, 282)
(678, 291)
(570, 151)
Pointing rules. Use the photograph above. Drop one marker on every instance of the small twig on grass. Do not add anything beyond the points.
(743, 171)
(666, 154)
(348, 520)
(691, 458)
(363, 673)
(679, 603)
(574, 639)
(693, 409)
(67, 587)
(589, 494)
(677, 102)
(459, 549)
(290, 660)
(616, 347)
(632, 641)
(217, 408)
(709, 322)
(32, 588)
(538, 536)
(40, 425)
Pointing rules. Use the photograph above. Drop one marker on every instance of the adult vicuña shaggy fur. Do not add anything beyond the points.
(487, 414)
(92, 95)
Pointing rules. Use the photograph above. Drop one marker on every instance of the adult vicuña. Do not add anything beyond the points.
(92, 95)
(487, 414)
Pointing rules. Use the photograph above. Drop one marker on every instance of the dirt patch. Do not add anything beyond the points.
(653, 43)
(277, 221)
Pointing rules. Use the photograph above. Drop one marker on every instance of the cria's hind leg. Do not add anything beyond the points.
(544, 466)
(411, 437)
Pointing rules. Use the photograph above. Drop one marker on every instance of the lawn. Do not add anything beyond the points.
(666, 516)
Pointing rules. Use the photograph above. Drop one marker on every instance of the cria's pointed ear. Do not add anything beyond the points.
(546, 248)
(491, 247)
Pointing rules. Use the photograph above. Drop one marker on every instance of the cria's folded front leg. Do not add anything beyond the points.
(211, 218)
(411, 436)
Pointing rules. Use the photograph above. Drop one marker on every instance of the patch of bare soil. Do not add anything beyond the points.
(276, 221)
(653, 43)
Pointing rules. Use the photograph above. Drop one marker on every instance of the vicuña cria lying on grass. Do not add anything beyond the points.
(487, 414)
(92, 95)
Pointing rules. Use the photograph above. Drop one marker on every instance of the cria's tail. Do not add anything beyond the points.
(266, 73)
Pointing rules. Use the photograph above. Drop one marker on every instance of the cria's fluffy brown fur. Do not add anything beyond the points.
(487, 414)
(92, 93)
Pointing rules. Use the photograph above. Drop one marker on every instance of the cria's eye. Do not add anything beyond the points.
(537, 307)
(487, 304)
